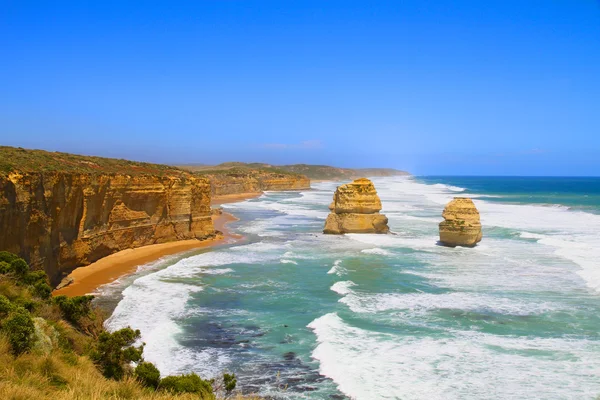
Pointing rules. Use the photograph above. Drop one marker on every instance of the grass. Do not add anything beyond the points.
(24, 160)
(324, 172)
(60, 376)
(58, 365)
(240, 170)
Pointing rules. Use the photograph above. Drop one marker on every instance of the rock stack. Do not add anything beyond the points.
(355, 209)
(461, 225)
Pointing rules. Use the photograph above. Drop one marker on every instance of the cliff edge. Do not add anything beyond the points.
(60, 211)
(355, 209)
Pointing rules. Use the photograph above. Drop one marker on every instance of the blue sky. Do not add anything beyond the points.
(435, 87)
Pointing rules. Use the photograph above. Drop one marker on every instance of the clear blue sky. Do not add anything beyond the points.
(436, 87)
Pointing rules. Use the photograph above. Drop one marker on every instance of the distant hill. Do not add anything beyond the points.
(241, 178)
(325, 172)
(314, 172)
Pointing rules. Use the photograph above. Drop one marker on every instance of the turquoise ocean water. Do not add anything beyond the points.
(298, 314)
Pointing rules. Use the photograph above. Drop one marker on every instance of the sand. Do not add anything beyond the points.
(232, 198)
(106, 270)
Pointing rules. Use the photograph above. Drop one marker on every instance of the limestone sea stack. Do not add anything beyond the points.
(355, 209)
(461, 225)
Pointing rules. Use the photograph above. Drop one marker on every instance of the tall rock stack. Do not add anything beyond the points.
(355, 209)
(461, 225)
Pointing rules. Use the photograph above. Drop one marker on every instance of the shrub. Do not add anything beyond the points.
(5, 306)
(26, 303)
(190, 383)
(74, 308)
(42, 290)
(20, 329)
(115, 351)
(5, 267)
(7, 257)
(229, 380)
(148, 374)
(34, 277)
(19, 266)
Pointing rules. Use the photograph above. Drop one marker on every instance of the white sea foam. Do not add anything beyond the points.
(397, 241)
(461, 365)
(529, 235)
(448, 187)
(343, 287)
(215, 271)
(284, 261)
(426, 302)
(572, 234)
(378, 251)
(154, 303)
(337, 268)
(289, 208)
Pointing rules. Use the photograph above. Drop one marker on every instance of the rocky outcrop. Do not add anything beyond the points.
(58, 221)
(355, 209)
(461, 225)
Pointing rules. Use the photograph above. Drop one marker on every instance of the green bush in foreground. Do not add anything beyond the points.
(148, 375)
(74, 308)
(7, 257)
(42, 290)
(115, 352)
(229, 380)
(5, 306)
(190, 383)
(5, 267)
(19, 329)
(19, 266)
(34, 277)
(25, 294)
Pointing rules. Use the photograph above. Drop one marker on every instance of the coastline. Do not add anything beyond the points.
(233, 198)
(110, 268)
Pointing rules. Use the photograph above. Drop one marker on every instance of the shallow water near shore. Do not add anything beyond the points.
(298, 314)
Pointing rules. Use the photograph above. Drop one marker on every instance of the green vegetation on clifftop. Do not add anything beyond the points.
(317, 172)
(57, 348)
(24, 160)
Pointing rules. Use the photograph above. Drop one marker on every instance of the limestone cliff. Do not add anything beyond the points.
(355, 209)
(60, 211)
(245, 180)
(461, 225)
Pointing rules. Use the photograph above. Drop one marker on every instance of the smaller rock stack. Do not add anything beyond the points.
(355, 209)
(461, 225)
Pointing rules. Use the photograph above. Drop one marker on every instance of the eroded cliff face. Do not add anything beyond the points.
(255, 182)
(284, 182)
(59, 221)
(461, 225)
(355, 209)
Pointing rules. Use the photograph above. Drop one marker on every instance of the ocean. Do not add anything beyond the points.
(298, 314)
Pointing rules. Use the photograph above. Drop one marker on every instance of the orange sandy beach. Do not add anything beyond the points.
(108, 269)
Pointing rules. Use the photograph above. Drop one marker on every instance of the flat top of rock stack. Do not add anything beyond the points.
(355, 209)
(461, 208)
(462, 224)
